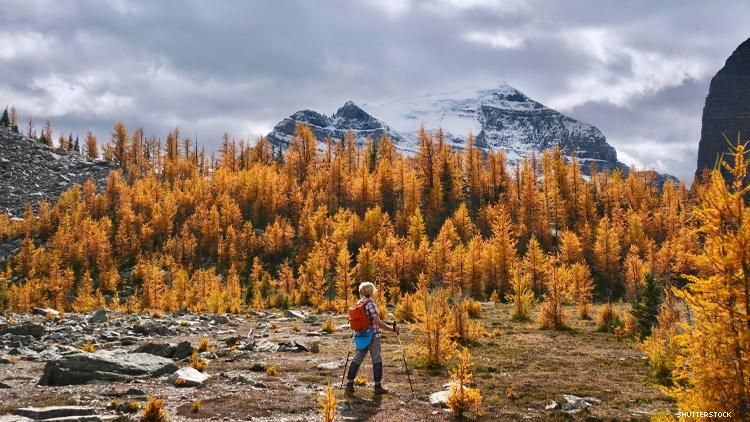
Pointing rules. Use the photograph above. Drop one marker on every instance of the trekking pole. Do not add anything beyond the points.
(346, 363)
(403, 355)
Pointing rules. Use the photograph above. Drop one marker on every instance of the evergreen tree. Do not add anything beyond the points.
(5, 120)
(646, 307)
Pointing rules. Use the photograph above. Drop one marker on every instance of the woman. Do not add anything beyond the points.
(366, 290)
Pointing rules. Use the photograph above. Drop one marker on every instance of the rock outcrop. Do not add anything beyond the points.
(31, 172)
(727, 109)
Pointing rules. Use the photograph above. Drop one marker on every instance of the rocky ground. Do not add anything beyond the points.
(274, 365)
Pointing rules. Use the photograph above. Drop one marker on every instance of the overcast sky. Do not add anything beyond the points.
(639, 71)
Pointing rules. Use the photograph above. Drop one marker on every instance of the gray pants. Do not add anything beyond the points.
(377, 361)
(373, 348)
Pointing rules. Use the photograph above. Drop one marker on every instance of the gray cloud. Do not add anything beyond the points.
(637, 70)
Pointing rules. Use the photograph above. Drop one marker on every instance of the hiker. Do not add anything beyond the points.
(366, 290)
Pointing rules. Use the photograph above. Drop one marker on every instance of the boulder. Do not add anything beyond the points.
(104, 366)
(54, 412)
(98, 317)
(262, 345)
(440, 399)
(187, 377)
(183, 350)
(164, 350)
(34, 330)
(290, 313)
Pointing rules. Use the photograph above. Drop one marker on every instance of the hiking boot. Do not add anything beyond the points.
(349, 388)
(380, 390)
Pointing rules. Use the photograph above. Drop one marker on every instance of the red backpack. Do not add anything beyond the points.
(358, 320)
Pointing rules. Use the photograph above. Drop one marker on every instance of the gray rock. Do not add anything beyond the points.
(187, 377)
(34, 330)
(264, 345)
(4, 386)
(291, 313)
(329, 366)
(258, 367)
(220, 319)
(183, 350)
(151, 328)
(98, 317)
(294, 347)
(440, 398)
(45, 312)
(164, 350)
(576, 404)
(104, 366)
(552, 405)
(53, 412)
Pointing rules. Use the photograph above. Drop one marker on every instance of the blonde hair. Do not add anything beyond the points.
(366, 288)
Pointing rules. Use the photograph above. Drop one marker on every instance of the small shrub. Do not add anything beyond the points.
(462, 398)
(272, 370)
(296, 328)
(88, 347)
(328, 326)
(511, 393)
(204, 345)
(474, 308)
(133, 406)
(360, 381)
(154, 411)
(180, 382)
(113, 404)
(196, 406)
(157, 314)
(494, 297)
(630, 325)
(197, 363)
(607, 319)
(619, 332)
(432, 346)
(328, 405)
(662, 346)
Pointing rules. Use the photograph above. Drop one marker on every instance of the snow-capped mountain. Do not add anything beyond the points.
(500, 118)
(348, 117)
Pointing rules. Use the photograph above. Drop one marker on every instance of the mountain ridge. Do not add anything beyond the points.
(501, 118)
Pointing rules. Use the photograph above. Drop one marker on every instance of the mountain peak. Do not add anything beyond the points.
(351, 111)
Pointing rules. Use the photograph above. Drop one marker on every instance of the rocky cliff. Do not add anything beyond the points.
(727, 109)
(31, 171)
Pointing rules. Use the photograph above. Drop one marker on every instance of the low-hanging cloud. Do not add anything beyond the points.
(638, 70)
